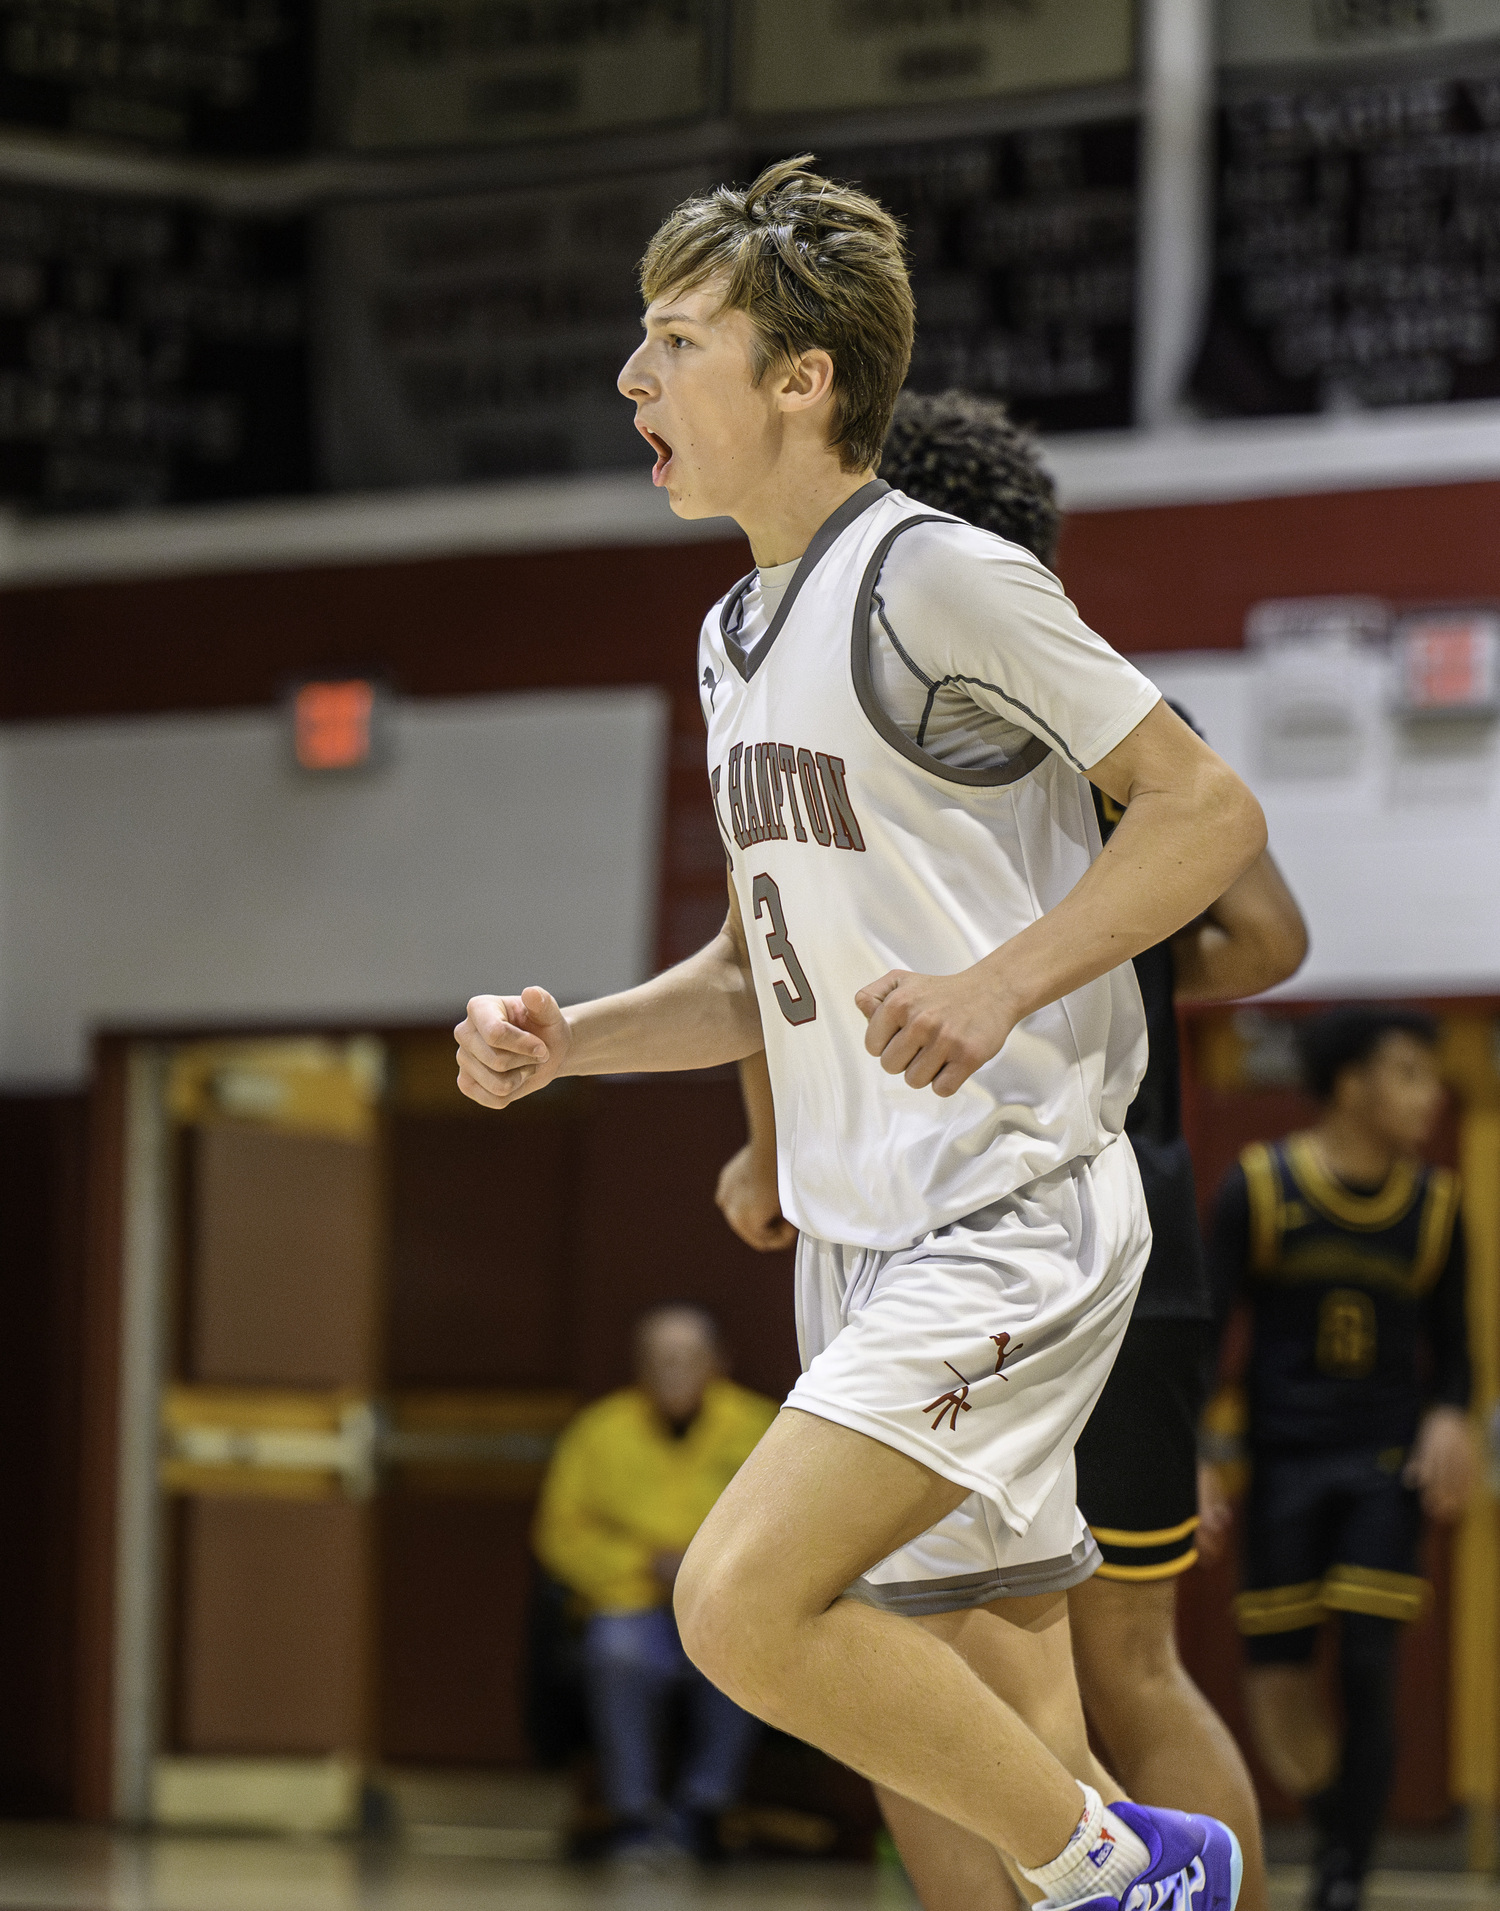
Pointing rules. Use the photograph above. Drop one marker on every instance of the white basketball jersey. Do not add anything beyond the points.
(853, 853)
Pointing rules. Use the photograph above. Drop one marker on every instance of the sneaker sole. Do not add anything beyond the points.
(1236, 1868)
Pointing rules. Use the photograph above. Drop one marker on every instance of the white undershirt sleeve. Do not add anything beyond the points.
(968, 619)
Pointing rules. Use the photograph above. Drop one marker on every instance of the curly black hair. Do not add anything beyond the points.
(1348, 1036)
(965, 454)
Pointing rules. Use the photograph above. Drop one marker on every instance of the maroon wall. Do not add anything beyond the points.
(1172, 578)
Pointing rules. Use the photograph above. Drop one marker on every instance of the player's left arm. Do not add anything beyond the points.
(1250, 939)
(1190, 830)
(1444, 1463)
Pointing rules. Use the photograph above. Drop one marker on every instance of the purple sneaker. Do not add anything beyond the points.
(1194, 1864)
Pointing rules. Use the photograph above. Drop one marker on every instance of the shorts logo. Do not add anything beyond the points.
(948, 1406)
(1002, 1348)
(955, 1401)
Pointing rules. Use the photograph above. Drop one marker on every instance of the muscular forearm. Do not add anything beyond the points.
(697, 1015)
(1189, 829)
(1173, 854)
(760, 1109)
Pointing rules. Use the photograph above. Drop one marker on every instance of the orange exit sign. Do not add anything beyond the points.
(1449, 663)
(337, 723)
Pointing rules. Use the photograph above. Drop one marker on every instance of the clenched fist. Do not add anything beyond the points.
(510, 1046)
(748, 1199)
(934, 1029)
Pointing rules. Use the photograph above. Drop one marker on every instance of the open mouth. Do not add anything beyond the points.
(662, 449)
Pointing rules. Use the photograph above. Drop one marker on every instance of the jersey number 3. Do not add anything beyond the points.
(796, 1008)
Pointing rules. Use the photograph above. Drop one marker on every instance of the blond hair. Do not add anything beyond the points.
(813, 265)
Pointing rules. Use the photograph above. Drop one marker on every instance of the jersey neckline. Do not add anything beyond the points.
(732, 611)
(1370, 1210)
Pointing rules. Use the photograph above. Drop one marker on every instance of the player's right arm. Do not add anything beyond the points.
(699, 1014)
(747, 1194)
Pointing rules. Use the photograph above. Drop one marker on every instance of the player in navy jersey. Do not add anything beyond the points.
(1137, 1455)
(1349, 1251)
(934, 956)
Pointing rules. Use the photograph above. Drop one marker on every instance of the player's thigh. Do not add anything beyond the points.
(1376, 1551)
(1291, 1518)
(814, 1507)
(1137, 1458)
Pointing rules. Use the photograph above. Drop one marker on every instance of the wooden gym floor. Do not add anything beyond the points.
(70, 1868)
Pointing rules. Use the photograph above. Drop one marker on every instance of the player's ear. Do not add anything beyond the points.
(807, 382)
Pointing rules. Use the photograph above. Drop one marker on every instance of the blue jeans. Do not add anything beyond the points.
(634, 1660)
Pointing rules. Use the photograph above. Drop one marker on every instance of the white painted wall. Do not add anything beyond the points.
(1396, 863)
(180, 869)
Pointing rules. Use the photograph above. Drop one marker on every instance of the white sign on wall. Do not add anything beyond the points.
(473, 73)
(1394, 854)
(1266, 32)
(835, 55)
(182, 870)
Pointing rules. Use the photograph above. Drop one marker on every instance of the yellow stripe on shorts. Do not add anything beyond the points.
(1280, 1608)
(1120, 1536)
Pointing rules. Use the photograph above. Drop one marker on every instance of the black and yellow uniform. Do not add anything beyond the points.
(1137, 1456)
(1357, 1300)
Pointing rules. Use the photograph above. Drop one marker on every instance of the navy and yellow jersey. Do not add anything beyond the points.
(1357, 1296)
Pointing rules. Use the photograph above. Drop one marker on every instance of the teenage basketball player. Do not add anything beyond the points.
(1350, 1251)
(937, 965)
(1136, 1458)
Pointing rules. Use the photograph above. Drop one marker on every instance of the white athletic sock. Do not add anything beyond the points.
(1102, 1859)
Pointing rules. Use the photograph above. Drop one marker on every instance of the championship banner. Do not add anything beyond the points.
(471, 73)
(221, 77)
(150, 353)
(480, 337)
(1357, 257)
(1023, 264)
(1273, 32)
(812, 56)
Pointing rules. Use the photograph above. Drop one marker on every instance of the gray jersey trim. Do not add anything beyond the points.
(915, 1598)
(884, 724)
(732, 610)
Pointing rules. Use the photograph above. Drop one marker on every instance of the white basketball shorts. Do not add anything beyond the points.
(980, 1351)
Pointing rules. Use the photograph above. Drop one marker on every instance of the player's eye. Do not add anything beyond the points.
(674, 339)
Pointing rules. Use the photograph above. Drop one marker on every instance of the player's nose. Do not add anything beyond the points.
(634, 381)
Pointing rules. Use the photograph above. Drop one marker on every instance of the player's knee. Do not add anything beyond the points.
(732, 1623)
(1292, 1728)
(1124, 1639)
(705, 1605)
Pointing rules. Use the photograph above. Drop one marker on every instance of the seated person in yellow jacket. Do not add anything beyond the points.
(632, 1480)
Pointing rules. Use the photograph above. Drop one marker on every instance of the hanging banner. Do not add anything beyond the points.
(480, 337)
(150, 353)
(472, 73)
(1023, 264)
(1358, 247)
(810, 56)
(1269, 32)
(230, 77)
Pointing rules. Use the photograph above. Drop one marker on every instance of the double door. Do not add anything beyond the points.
(355, 1312)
